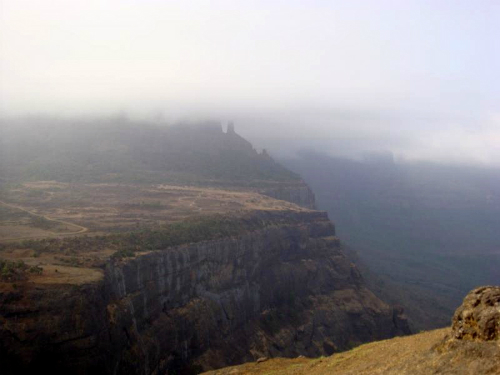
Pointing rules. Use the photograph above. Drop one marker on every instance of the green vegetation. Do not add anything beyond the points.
(156, 205)
(123, 253)
(15, 270)
(43, 223)
(128, 244)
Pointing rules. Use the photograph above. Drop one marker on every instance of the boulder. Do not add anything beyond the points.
(478, 318)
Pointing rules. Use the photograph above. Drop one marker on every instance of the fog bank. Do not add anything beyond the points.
(417, 78)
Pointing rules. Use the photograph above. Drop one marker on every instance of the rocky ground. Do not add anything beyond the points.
(470, 346)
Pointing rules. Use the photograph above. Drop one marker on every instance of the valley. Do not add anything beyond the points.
(422, 234)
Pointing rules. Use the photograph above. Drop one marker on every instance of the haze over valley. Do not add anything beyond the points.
(281, 187)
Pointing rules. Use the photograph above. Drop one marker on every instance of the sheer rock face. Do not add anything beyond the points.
(285, 290)
(478, 318)
(299, 193)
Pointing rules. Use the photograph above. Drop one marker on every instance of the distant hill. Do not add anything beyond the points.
(122, 150)
(428, 233)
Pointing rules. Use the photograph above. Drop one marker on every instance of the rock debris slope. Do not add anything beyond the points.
(470, 347)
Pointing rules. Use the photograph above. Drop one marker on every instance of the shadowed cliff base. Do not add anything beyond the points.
(423, 234)
(471, 346)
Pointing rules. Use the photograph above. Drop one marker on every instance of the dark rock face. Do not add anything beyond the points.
(478, 318)
(285, 290)
(299, 193)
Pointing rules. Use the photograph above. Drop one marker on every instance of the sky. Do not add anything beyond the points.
(418, 78)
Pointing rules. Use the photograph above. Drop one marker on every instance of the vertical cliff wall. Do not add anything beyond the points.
(283, 290)
(299, 193)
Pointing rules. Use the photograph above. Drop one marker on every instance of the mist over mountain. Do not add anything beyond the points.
(419, 78)
(427, 228)
(120, 149)
(159, 213)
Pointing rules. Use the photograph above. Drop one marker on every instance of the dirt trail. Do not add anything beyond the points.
(81, 228)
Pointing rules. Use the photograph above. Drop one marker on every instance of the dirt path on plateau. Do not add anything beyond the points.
(81, 228)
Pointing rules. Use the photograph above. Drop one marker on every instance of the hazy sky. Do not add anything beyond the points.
(420, 78)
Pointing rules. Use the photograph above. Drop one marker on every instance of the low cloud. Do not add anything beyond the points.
(419, 79)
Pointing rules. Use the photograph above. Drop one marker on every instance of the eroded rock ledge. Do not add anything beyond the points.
(478, 318)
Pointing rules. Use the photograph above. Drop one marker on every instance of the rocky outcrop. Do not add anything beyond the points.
(478, 318)
(283, 290)
(471, 346)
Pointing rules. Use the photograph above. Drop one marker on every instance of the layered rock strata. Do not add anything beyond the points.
(283, 290)
(299, 193)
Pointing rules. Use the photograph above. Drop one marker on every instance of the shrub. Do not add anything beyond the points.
(16, 270)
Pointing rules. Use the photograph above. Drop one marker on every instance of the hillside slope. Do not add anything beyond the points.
(470, 346)
(409, 355)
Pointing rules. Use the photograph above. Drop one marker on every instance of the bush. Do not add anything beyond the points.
(16, 270)
(123, 253)
(36, 270)
(128, 244)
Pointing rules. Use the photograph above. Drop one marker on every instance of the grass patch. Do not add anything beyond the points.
(42, 223)
(128, 244)
(16, 270)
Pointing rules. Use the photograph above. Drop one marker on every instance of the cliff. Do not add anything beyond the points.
(299, 193)
(138, 249)
(283, 288)
(471, 346)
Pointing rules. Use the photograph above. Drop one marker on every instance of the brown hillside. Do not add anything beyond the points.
(471, 346)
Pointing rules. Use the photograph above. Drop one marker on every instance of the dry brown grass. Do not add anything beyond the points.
(410, 355)
(48, 209)
(71, 209)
